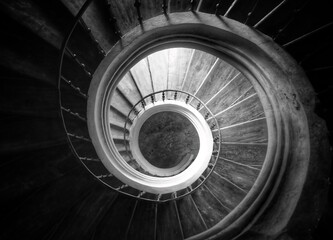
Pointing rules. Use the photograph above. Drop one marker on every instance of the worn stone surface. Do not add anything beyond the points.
(190, 219)
(168, 226)
(247, 110)
(158, 67)
(242, 176)
(167, 138)
(118, 215)
(144, 212)
(248, 154)
(236, 87)
(125, 14)
(211, 210)
(128, 87)
(116, 117)
(142, 77)
(250, 132)
(179, 59)
(200, 65)
(227, 193)
(222, 71)
(119, 102)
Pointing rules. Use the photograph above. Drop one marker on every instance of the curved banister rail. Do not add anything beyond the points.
(182, 96)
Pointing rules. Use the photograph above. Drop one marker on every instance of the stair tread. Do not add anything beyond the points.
(158, 63)
(180, 6)
(247, 154)
(128, 87)
(168, 226)
(210, 208)
(190, 218)
(144, 221)
(250, 132)
(116, 117)
(119, 102)
(240, 175)
(179, 58)
(125, 13)
(55, 162)
(142, 77)
(81, 221)
(229, 195)
(119, 215)
(117, 133)
(47, 206)
(245, 111)
(199, 67)
(222, 71)
(234, 89)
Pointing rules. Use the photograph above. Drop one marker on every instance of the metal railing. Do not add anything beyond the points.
(195, 103)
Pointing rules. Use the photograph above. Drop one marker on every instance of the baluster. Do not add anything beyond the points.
(115, 27)
(216, 139)
(79, 137)
(165, 7)
(158, 197)
(82, 65)
(175, 95)
(163, 96)
(143, 103)
(218, 8)
(137, 5)
(187, 99)
(307, 34)
(77, 89)
(230, 8)
(270, 13)
(193, 3)
(189, 188)
(113, 22)
(141, 194)
(178, 218)
(73, 114)
(152, 97)
(121, 187)
(206, 116)
(100, 49)
(251, 12)
(295, 13)
(198, 106)
(174, 195)
(213, 126)
(89, 159)
(126, 136)
(104, 176)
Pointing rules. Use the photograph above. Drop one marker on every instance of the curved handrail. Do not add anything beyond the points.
(61, 78)
(209, 116)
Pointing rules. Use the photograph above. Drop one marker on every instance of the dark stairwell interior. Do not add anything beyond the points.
(46, 193)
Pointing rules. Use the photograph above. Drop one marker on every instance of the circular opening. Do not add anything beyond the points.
(168, 139)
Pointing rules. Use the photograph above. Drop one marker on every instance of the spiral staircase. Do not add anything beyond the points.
(165, 119)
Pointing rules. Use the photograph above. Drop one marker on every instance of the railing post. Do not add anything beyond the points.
(165, 7)
(137, 5)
